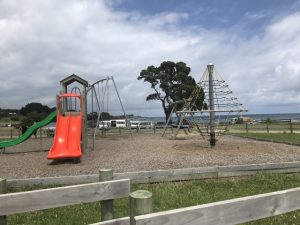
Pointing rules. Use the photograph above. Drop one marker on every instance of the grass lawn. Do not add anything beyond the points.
(172, 195)
(285, 138)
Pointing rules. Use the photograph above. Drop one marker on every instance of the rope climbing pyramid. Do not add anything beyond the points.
(218, 107)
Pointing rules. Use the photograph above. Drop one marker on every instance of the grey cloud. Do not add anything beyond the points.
(41, 42)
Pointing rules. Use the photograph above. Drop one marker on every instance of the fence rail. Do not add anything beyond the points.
(165, 175)
(233, 211)
(63, 196)
(286, 126)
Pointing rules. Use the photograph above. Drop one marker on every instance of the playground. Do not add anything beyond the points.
(141, 152)
(180, 151)
(76, 149)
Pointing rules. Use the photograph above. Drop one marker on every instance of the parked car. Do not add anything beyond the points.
(104, 125)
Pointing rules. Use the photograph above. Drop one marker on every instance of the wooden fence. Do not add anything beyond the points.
(224, 212)
(283, 126)
(228, 212)
(21, 202)
(233, 211)
(165, 175)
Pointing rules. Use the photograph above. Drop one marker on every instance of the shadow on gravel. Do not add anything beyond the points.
(19, 152)
(64, 161)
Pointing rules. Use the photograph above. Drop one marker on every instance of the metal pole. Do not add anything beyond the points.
(119, 97)
(212, 132)
(99, 112)
(126, 119)
(93, 119)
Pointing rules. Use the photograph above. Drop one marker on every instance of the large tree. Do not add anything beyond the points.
(171, 82)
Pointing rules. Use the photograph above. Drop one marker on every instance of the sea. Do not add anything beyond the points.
(255, 117)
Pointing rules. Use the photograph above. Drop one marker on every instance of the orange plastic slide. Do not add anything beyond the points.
(66, 142)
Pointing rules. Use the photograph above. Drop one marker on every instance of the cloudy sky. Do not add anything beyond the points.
(254, 45)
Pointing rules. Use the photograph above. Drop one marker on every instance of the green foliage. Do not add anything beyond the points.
(269, 121)
(171, 82)
(103, 116)
(35, 112)
(239, 121)
(15, 118)
(34, 107)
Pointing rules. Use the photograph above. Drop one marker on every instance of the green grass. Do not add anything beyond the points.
(172, 195)
(285, 138)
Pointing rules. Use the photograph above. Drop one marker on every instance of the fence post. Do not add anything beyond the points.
(140, 204)
(120, 130)
(106, 205)
(291, 126)
(268, 129)
(154, 129)
(247, 129)
(3, 189)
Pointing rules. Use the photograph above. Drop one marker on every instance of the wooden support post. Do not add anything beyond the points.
(120, 130)
(3, 189)
(106, 205)
(268, 129)
(154, 129)
(84, 121)
(11, 133)
(247, 129)
(291, 127)
(140, 204)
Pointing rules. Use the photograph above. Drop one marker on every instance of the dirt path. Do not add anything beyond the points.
(144, 152)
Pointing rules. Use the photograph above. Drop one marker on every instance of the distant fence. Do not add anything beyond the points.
(275, 126)
(123, 130)
(281, 126)
(12, 133)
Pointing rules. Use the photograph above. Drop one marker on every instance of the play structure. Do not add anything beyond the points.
(70, 135)
(100, 97)
(218, 107)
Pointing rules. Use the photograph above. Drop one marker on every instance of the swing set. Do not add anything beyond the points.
(100, 98)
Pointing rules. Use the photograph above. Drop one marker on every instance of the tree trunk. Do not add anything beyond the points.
(168, 111)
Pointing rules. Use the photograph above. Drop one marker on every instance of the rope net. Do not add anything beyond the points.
(219, 110)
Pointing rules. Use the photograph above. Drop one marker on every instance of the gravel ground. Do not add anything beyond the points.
(143, 152)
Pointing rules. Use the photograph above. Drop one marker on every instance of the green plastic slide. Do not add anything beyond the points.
(29, 132)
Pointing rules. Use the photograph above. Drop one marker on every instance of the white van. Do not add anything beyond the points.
(134, 124)
(146, 124)
(118, 123)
